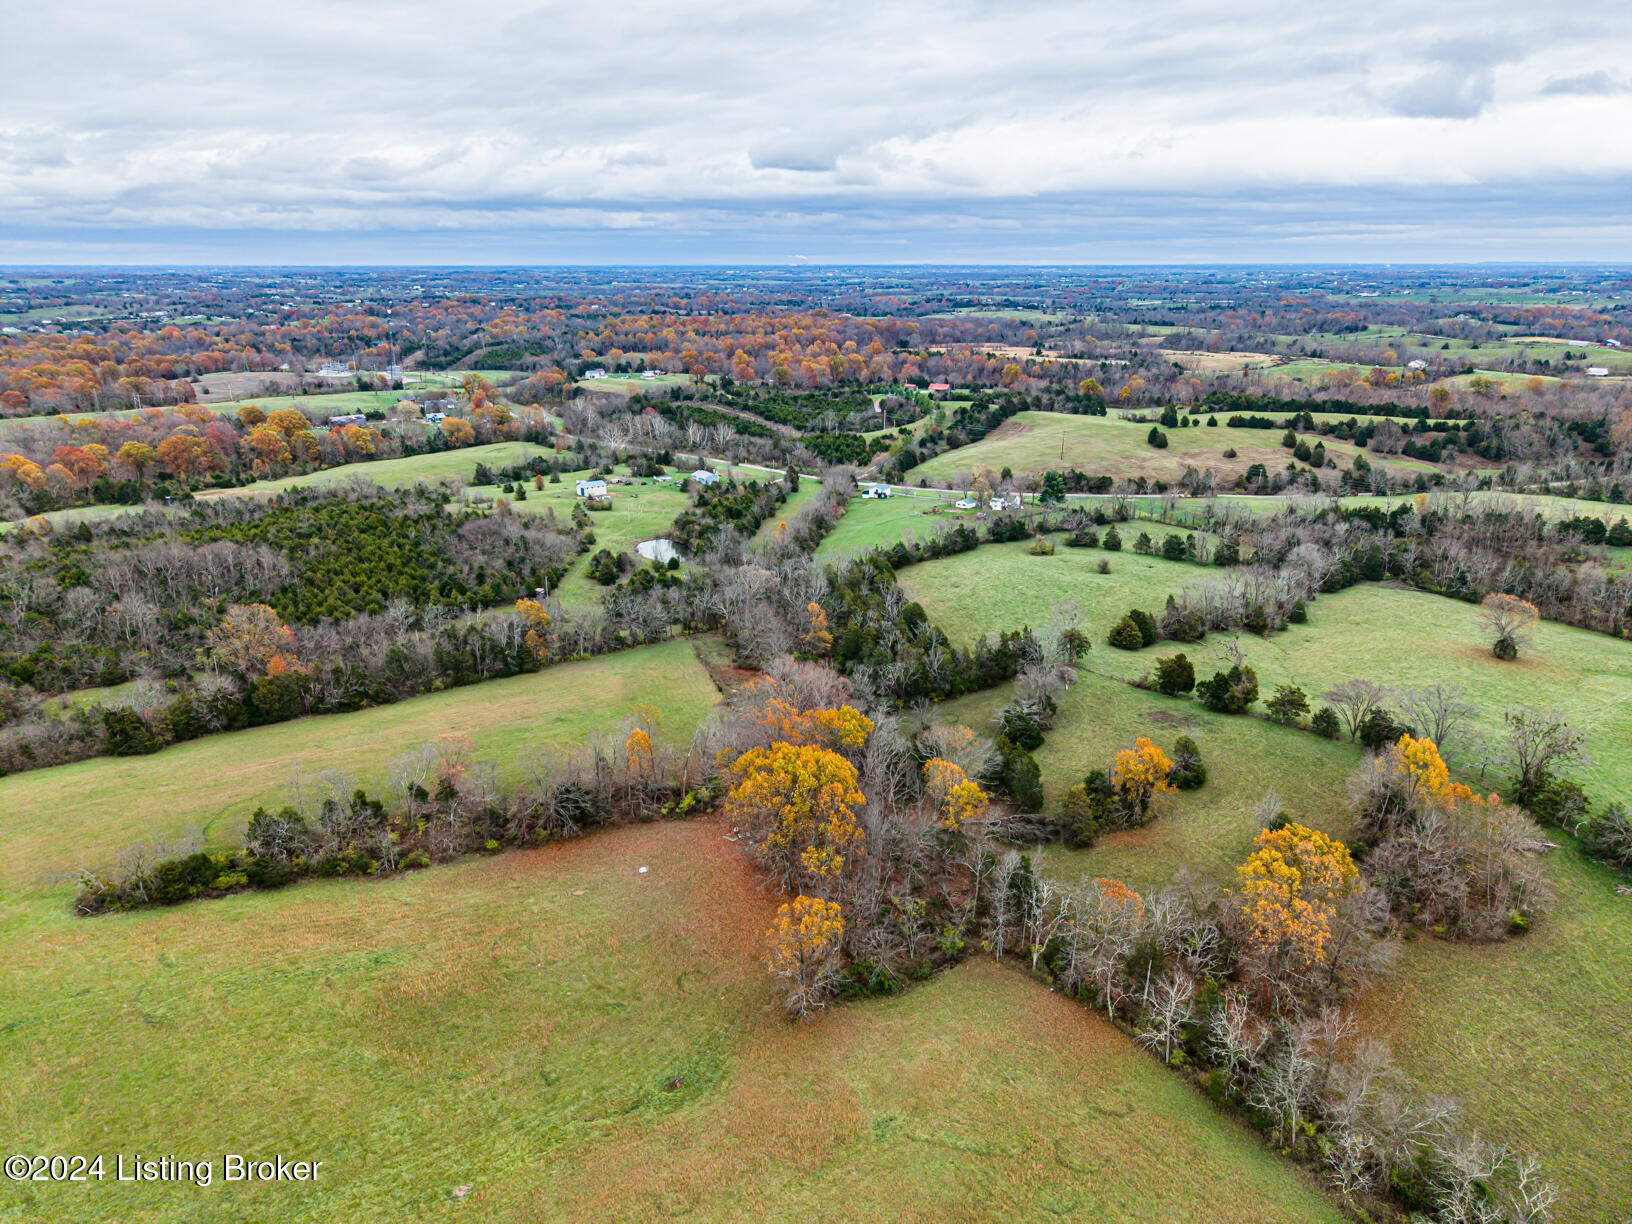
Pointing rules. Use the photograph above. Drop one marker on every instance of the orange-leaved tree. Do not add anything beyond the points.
(798, 805)
(1290, 888)
(248, 639)
(842, 729)
(804, 951)
(956, 799)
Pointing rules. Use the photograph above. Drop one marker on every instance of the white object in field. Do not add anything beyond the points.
(643, 871)
(657, 550)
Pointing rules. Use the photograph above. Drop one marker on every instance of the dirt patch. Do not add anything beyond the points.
(1166, 718)
(716, 659)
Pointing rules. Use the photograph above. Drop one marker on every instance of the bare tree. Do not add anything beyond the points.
(1438, 710)
(1538, 741)
(1354, 700)
(1169, 1007)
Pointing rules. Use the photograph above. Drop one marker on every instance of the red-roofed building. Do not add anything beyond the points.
(933, 387)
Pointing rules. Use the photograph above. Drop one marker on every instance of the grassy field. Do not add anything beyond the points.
(392, 473)
(55, 820)
(1000, 586)
(797, 500)
(1402, 638)
(1532, 1035)
(1210, 829)
(632, 384)
(549, 1035)
(872, 523)
(58, 519)
(1037, 441)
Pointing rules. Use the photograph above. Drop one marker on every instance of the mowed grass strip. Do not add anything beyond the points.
(1034, 442)
(55, 820)
(572, 1040)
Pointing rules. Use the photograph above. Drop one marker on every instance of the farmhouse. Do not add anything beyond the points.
(706, 477)
(935, 387)
(1416, 364)
(594, 373)
(349, 418)
(592, 488)
(876, 490)
(1597, 371)
(966, 503)
(436, 418)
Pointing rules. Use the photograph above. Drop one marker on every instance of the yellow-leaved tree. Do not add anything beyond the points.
(537, 622)
(804, 951)
(798, 806)
(842, 729)
(1290, 889)
(1140, 774)
(956, 799)
(818, 640)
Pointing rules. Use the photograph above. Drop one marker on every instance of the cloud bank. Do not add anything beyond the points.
(406, 132)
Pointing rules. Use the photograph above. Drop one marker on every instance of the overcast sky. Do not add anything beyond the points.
(892, 131)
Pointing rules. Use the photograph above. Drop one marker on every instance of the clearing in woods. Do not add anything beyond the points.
(1034, 442)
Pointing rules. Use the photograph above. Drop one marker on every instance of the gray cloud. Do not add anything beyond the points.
(811, 123)
(1588, 84)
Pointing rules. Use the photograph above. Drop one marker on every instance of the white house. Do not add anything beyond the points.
(877, 490)
(704, 476)
(997, 503)
(648, 374)
(592, 488)
(436, 418)
(965, 503)
(349, 418)
(1612, 344)
(594, 373)
(1418, 364)
(1597, 371)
